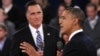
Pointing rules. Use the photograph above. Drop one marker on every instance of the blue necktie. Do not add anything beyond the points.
(39, 41)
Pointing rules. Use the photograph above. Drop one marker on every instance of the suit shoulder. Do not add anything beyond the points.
(8, 40)
(21, 31)
(83, 40)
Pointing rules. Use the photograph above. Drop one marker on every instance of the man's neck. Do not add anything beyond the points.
(93, 18)
(74, 29)
(36, 27)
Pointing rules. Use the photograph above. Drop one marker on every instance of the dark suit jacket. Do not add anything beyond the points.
(50, 41)
(95, 33)
(80, 45)
(6, 48)
(15, 16)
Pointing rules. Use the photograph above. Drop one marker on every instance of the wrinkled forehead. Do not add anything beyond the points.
(65, 13)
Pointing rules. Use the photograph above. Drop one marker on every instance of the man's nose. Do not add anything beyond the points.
(36, 16)
(60, 21)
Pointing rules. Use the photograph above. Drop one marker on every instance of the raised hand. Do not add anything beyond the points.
(30, 50)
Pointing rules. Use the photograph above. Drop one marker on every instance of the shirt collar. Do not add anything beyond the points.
(74, 33)
(96, 17)
(2, 43)
(34, 29)
(7, 9)
(34, 34)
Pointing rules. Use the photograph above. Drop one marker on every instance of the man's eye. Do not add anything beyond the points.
(32, 13)
(38, 12)
(63, 18)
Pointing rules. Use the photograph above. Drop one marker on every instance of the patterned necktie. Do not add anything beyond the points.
(39, 41)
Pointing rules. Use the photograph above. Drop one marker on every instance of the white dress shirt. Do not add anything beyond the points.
(34, 33)
(7, 9)
(74, 33)
(2, 43)
(93, 22)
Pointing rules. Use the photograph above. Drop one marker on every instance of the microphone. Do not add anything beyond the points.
(41, 46)
(59, 45)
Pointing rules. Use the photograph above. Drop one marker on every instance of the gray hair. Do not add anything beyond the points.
(2, 25)
(78, 13)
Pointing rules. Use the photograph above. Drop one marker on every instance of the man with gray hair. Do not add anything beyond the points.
(5, 43)
(91, 25)
(79, 44)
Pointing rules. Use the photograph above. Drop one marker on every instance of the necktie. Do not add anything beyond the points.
(39, 41)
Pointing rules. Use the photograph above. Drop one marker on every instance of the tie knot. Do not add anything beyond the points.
(37, 31)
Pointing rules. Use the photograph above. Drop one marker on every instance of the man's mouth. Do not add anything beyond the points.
(61, 26)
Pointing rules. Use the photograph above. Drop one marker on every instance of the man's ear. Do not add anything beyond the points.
(75, 21)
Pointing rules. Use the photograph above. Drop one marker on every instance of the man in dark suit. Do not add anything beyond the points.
(79, 44)
(5, 43)
(13, 12)
(48, 35)
(91, 25)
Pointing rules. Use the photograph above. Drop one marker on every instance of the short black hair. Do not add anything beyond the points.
(78, 13)
(92, 5)
(30, 3)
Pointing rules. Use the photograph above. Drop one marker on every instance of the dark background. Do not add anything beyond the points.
(54, 4)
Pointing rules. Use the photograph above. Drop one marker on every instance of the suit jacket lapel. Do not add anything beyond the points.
(30, 37)
(98, 21)
(88, 25)
(46, 36)
(87, 22)
(45, 32)
(6, 47)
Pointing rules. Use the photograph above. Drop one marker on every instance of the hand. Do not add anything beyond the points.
(40, 52)
(59, 53)
(29, 49)
(65, 38)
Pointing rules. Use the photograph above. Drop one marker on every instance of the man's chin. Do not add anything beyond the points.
(62, 32)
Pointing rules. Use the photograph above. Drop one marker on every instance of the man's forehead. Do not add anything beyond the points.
(65, 12)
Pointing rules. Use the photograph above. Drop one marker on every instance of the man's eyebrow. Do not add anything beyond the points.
(62, 17)
(32, 13)
(39, 12)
